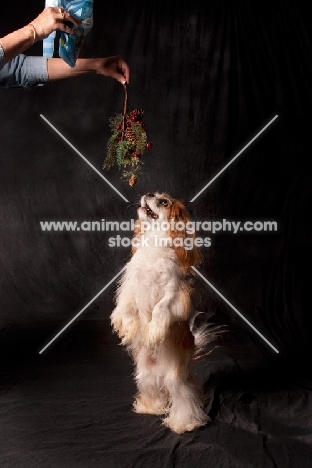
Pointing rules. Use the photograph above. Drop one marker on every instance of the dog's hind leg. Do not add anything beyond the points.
(152, 398)
(186, 403)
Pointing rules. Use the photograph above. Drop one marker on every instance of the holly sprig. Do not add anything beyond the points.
(127, 143)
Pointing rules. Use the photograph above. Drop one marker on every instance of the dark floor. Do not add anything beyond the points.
(71, 406)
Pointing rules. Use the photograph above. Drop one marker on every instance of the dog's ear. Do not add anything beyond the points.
(187, 253)
(136, 234)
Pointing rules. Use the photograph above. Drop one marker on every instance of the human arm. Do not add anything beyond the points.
(17, 70)
(115, 67)
(49, 20)
(27, 72)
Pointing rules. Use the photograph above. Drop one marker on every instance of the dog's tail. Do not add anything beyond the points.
(205, 335)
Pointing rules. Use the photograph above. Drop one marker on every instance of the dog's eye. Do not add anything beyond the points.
(163, 202)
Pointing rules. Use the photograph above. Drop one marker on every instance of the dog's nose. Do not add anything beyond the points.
(150, 195)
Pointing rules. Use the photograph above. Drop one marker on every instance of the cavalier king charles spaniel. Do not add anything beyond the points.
(153, 313)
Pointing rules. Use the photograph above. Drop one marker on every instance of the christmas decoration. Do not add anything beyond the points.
(127, 143)
(132, 180)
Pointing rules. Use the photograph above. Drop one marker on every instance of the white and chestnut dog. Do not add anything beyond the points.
(153, 309)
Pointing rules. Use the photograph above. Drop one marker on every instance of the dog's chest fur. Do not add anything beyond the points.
(149, 275)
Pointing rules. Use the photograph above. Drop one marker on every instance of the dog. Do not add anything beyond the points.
(153, 311)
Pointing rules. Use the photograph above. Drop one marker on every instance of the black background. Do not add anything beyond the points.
(209, 77)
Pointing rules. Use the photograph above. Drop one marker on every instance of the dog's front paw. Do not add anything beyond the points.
(116, 321)
(155, 333)
(129, 331)
(124, 325)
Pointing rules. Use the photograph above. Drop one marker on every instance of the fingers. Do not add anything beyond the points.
(123, 71)
(119, 78)
(63, 15)
(115, 67)
(65, 28)
(53, 18)
(118, 69)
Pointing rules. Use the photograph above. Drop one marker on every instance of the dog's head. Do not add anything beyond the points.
(161, 213)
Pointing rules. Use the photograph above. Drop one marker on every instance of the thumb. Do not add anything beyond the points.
(119, 78)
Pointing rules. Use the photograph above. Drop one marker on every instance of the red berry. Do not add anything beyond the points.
(135, 154)
(128, 123)
(149, 145)
(133, 117)
(119, 138)
(119, 127)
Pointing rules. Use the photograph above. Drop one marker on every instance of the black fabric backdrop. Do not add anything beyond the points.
(209, 77)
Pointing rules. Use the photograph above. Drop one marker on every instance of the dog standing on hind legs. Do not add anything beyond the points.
(153, 310)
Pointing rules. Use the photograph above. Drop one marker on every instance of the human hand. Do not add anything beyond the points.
(114, 67)
(53, 18)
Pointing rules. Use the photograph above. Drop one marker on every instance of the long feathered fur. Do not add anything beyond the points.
(153, 318)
